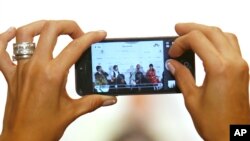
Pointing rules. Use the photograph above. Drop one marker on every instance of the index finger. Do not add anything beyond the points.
(197, 42)
(27, 33)
(217, 37)
(50, 33)
(74, 50)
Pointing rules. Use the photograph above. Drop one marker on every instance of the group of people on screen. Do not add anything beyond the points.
(117, 79)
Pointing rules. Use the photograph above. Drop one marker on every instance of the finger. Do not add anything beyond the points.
(74, 50)
(6, 37)
(51, 31)
(185, 81)
(197, 42)
(27, 33)
(183, 76)
(90, 103)
(214, 34)
(232, 38)
(6, 65)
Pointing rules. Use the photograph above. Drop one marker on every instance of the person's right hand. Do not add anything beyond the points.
(223, 97)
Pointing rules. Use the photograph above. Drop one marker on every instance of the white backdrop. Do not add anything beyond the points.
(167, 117)
(127, 58)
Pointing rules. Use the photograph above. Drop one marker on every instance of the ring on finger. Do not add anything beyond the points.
(23, 50)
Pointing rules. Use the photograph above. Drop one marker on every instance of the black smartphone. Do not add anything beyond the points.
(129, 66)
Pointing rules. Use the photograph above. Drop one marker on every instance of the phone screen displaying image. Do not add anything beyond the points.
(133, 66)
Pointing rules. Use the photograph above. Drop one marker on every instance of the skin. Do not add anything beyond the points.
(41, 109)
(222, 99)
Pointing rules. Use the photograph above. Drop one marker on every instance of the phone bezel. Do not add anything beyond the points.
(83, 68)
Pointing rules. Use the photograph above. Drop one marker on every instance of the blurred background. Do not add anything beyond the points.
(133, 118)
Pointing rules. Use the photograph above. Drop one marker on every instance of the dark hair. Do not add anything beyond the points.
(150, 65)
(98, 67)
(115, 66)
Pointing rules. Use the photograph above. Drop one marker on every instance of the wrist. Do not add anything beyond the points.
(29, 135)
(18, 137)
(217, 137)
(10, 138)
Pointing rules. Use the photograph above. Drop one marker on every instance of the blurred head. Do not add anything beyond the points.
(115, 67)
(138, 67)
(98, 68)
(151, 66)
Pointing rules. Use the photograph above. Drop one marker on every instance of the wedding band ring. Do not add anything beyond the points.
(23, 50)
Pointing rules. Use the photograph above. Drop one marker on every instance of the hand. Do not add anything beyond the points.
(223, 97)
(38, 106)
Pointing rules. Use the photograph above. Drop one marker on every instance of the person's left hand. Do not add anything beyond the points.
(38, 106)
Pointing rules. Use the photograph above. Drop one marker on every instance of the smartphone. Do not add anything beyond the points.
(129, 66)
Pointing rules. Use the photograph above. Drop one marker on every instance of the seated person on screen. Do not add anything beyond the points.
(151, 75)
(117, 78)
(139, 76)
(101, 76)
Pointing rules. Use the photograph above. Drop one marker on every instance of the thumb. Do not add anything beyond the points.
(186, 83)
(183, 76)
(90, 103)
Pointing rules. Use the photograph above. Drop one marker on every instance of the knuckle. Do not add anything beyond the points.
(41, 73)
(232, 36)
(213, 31)
(195, 34)
(222, 66)
(75, 43)
(21, 31)
(53, 24)
(50, 25)
(94, 103)
(74, 23)
(51, 75)
(219, 68)
(243, 66)
(216, 29)
(228, 68)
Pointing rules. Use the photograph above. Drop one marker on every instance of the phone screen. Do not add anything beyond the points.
(134, 66)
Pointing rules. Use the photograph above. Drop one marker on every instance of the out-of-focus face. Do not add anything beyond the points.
(100, 69)
(138, 67)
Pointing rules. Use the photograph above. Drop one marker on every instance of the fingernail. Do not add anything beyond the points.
(10, 29)
(101, 31)
(170, 67)
(109, 102)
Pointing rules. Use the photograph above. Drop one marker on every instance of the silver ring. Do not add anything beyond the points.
(23, 50)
